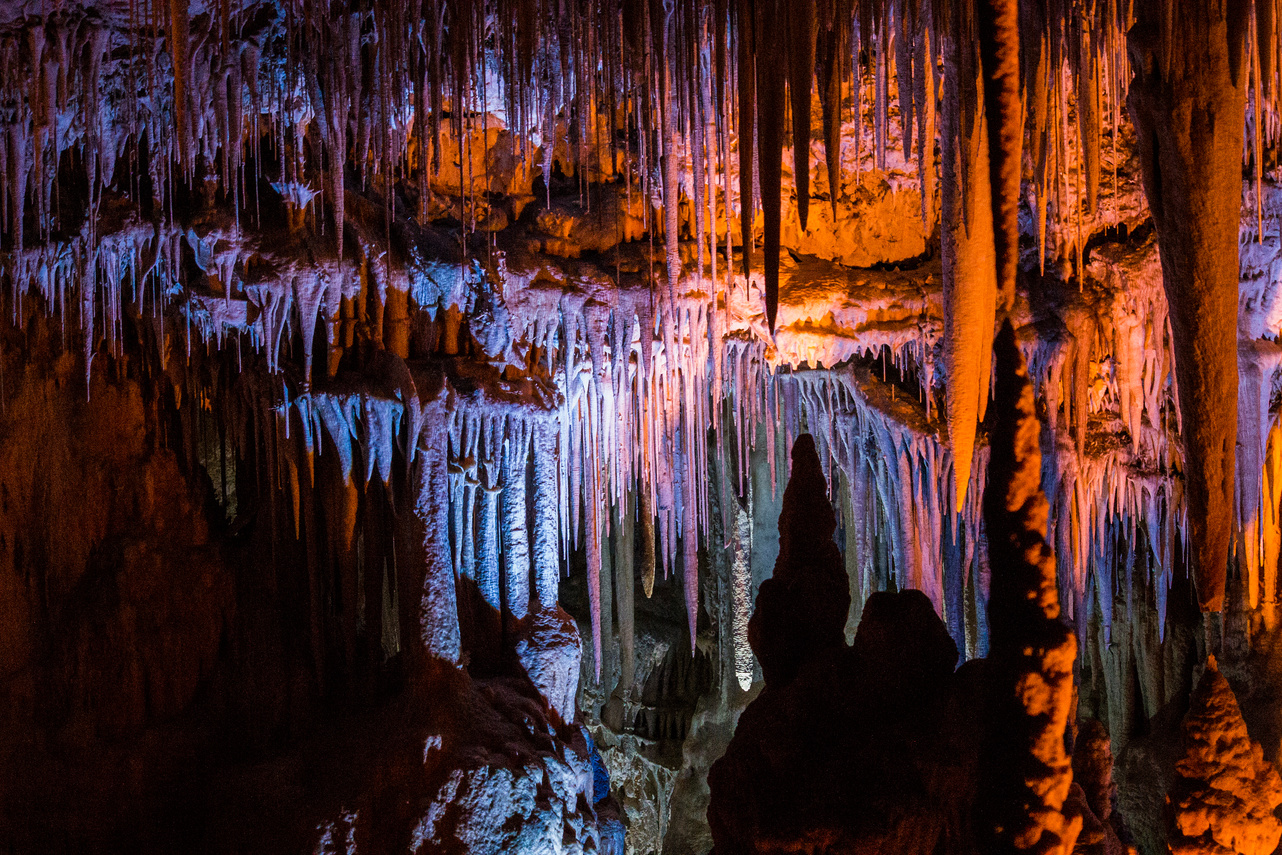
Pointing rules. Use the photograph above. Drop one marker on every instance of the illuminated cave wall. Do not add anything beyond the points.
(345, 344)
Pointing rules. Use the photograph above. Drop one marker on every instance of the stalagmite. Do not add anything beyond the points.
(1188, 100)
(1025, 771)
(438, 621)
(516, 537)
(801, 609)
(1225, 795)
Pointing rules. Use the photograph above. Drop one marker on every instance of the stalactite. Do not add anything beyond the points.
(970, 286)
(832, 46)
(925, 100)
(997, 26)
(594, 549)
(1192, 179)
(648, 559)
(1088, 112)
(800, 22)
(547, 516)
(516, 538)
(747, 80)
(624, 593)
(671, 186)
(741, 593)
(772, 67)
(374, 118)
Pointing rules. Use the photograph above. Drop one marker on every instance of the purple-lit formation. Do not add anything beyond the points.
(403, 405)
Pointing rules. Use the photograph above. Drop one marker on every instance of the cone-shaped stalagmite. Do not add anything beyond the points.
(1025, 770)
(1187, 100)
(1225, 792)
(802, 608)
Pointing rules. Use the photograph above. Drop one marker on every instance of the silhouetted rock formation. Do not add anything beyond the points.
(1225, 796)
(1093, 768)
(802, 609)
(871, 745)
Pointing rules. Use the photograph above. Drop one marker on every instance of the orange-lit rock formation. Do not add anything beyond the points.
(1226, 795)
(1026, 771)
(1187, 99)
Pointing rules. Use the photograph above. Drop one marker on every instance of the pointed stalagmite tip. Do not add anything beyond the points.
(801, 610)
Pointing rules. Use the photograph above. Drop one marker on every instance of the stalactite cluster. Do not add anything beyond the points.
(532, 285)
(665, 102)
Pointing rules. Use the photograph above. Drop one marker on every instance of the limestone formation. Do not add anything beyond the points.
(1026, 771)
(1225, 795)
(392, 393)
(1186, 99)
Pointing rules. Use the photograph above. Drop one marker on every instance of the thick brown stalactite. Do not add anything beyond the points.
(1025, 770)
(801, 72)
(832, 49)
(747, 97)
(998, 30)
(772, 77)
(1187, 100)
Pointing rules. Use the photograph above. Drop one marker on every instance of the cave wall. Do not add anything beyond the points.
(342, 351)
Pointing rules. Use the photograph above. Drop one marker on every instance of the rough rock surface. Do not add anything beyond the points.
(550, 650)
(1225, 795)
(1026, 772)
(1093, 786)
